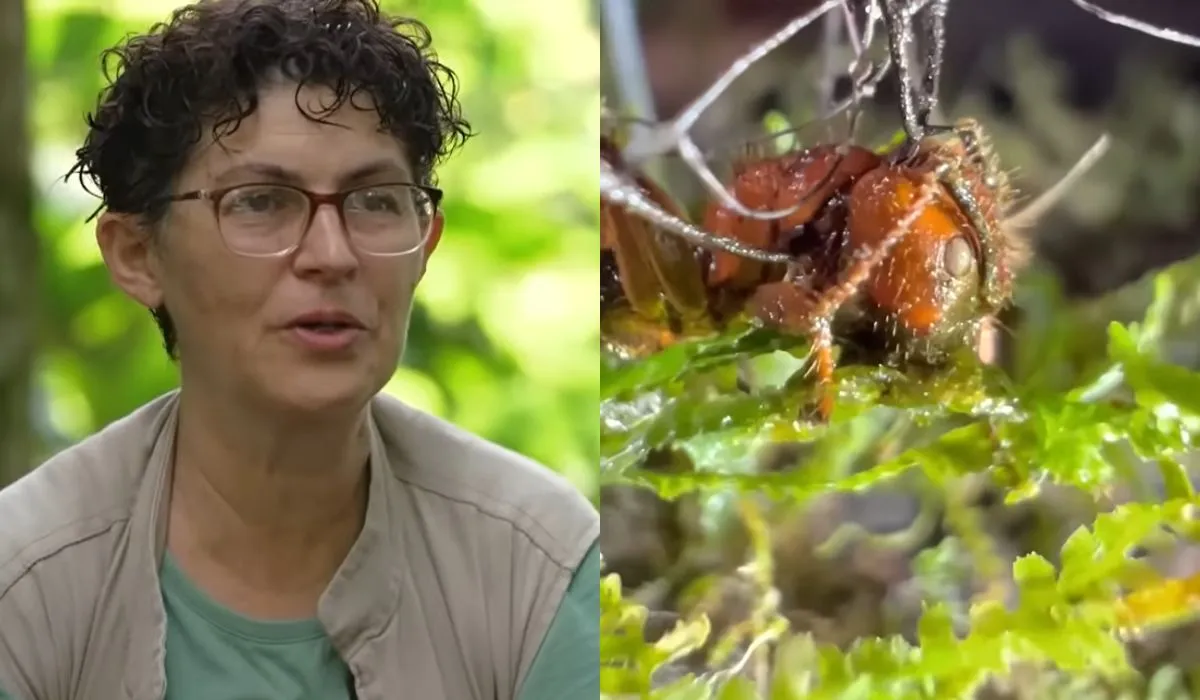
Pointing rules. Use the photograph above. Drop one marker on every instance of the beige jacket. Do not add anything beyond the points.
(466, 553)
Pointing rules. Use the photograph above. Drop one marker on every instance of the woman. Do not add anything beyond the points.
(277, 528)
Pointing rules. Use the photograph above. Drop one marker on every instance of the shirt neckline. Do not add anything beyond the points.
(177, 587)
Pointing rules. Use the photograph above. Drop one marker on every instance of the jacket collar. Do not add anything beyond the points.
(355, 607)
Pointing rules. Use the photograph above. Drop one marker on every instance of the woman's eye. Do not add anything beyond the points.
(257, 200)
(380, 200)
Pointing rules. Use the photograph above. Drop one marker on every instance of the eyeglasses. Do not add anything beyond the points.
(269, 220)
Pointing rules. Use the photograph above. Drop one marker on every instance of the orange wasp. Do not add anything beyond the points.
(908, 253)
(905, 252)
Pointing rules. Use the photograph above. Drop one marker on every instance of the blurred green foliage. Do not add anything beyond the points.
(498, 343)
(1089, 419)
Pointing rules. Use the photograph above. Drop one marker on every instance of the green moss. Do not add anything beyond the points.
(1066, 621)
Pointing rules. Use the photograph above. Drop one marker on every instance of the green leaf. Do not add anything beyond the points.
(621, 378)
(1154, 382)
(739, 688)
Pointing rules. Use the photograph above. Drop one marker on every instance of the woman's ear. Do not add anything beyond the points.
(131, 257)
(435, 235)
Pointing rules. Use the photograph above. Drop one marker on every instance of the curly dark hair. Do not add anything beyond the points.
(203, 68)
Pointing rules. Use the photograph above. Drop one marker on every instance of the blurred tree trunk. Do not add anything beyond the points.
(18, 252)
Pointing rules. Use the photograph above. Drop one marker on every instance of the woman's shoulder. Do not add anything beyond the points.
(75, 501)
(467, 474)
(61, 526)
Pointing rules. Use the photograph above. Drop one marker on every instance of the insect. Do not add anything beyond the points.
(905, 252)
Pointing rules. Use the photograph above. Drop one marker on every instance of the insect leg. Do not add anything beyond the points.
(693, 156)
(823, 366)
(864, 73)
(1120, 20)
(1034, 210)
(674, 135)
(863, 85)
(864, 261)
(918, 94)
(897, 18)
(668, 136)
(831, 43)
(933, 28)
(619, 190)
(789, 306)
(864, 88)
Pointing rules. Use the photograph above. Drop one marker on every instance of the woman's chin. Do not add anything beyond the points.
(316, 391)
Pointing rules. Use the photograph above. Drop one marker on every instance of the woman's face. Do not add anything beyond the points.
(236, 316)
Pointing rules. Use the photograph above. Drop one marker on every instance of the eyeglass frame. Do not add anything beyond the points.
(315, 201)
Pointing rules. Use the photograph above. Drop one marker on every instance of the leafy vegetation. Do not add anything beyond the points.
(1051, 619)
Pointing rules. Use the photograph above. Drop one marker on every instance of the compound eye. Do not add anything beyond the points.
(957, 257)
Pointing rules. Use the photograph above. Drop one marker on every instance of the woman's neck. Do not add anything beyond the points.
(262, 506)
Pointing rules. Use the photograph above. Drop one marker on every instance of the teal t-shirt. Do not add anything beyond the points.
(213, 652)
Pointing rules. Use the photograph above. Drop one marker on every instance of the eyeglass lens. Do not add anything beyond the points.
(380, 219)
